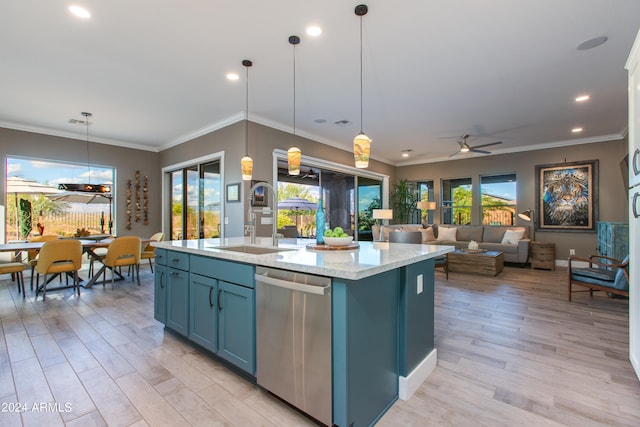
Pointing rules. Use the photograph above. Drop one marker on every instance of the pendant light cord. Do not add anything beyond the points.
(361, 115)
(86, 121)
(246, 111)
(294, 94)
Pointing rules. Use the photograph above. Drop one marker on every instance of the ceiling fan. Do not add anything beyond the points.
(465, 148)
(310, 175)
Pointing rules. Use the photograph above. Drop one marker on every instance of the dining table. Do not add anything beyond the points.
(88, 246)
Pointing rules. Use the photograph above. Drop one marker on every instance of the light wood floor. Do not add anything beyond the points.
(511, 351)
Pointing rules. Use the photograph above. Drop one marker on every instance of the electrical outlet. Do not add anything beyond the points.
(420, 286)
(572, 251)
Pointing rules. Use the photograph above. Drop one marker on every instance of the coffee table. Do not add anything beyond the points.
(489, 263)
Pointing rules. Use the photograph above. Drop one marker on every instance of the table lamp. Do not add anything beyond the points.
(381, 214)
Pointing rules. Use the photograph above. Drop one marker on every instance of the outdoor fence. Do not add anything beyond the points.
(63, 224)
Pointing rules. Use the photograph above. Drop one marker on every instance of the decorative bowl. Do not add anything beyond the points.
(338, 241)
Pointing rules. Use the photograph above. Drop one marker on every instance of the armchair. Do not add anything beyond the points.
(603, 274)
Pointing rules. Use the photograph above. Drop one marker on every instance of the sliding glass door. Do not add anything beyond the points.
(195, 201)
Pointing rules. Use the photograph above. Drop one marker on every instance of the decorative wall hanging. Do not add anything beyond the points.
(567, 196)
(128, 212)
(233, 192)
(138, 206)
(145, 204)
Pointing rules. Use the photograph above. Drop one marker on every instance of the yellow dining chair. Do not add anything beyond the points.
(57, 257)
(149, 252)
(32, 256)
(122, 251)
(14, 268)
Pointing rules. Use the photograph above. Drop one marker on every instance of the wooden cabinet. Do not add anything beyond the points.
(203, 316)
(543, 255)
(210, 301)
(236, 325)
(613, 239)
(160, 287)
(160, 294)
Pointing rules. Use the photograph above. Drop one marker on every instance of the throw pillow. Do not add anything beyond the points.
(511, 237)
(428, 235)
(447, 233)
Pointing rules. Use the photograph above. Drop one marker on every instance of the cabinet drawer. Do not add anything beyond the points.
(161, 256)
(233, 272)
(177, 260)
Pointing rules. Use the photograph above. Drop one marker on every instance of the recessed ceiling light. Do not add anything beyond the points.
(591, 43)
(314, 31)
(80, 12)
(576, 130)
(582, 98)
(233, 76)
(320, 120)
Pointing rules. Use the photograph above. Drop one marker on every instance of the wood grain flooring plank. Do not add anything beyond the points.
(190, 405)
(92, 419)
(113, 405)
(18, 346)
(77, 354)
(10, 417)
(110, 360)
(47, 350)
(155, 410)
(68, 390)
(32, 390)
(150, 369)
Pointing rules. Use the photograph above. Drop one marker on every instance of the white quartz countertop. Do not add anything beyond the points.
(369, 259)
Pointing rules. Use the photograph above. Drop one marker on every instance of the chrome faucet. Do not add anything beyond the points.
(251, 227)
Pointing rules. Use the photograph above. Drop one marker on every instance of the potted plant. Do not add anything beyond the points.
(403, 200)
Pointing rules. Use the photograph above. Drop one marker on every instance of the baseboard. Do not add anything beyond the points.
(409, 384)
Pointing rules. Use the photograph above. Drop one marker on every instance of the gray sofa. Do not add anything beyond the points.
(490, 237)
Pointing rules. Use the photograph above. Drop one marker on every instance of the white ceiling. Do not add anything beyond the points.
(153, 72)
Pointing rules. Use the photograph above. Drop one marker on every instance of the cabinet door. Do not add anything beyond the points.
(236, 325)
(160, 294)
(203, 293)
(634, 124)
(178, 301)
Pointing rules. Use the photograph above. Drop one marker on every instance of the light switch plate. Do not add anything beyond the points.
(420, 286)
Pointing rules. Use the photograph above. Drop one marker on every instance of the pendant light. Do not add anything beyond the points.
(361, 143)
(294, 154)
(87, 188)
(246, 163)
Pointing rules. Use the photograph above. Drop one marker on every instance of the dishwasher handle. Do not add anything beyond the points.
(310, 289)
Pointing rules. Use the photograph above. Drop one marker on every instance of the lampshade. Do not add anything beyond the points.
(428, 206)
(293, 158)
(247, 168)
(526, 215)
(382, 213)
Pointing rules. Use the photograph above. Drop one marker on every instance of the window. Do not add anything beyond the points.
(32, 211)
(498, 198)
(456, 201)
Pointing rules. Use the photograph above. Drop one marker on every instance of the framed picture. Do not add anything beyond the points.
(259, 196)
(233, 192)
(567, 196)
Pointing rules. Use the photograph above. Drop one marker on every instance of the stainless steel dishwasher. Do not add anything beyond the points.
(293, 339)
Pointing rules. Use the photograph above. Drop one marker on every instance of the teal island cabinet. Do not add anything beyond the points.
(381, 343)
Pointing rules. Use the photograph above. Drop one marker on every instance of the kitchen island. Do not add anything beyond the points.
(381, 343)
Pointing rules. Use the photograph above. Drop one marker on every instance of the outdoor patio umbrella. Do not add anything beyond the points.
(86, 198)
(297, 204)
(18, 185)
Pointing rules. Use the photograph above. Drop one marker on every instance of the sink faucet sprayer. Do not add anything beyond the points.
(251, 226)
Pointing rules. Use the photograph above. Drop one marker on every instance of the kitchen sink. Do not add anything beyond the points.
(254, 250)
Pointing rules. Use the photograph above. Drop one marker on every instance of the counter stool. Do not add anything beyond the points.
(17, 268)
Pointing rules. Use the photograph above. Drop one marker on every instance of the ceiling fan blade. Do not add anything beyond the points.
(480, 151)
(487, 145)
(451, 155)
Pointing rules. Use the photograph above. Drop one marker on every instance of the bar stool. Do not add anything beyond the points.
(17, 268)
